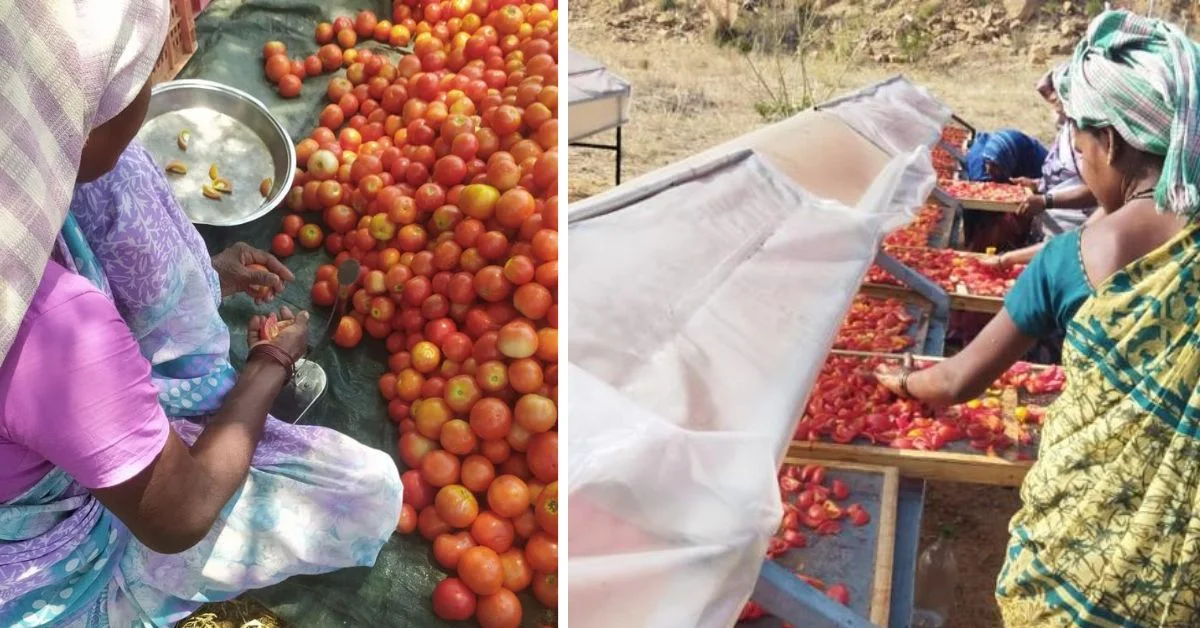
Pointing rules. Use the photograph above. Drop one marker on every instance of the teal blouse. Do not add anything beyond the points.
(1050, 291)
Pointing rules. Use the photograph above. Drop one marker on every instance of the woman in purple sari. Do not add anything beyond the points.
(139, 474)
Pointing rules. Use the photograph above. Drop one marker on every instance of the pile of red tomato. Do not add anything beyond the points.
(954, 271)
(984, 191)
(920, 231)
(847, 405)
(810, 501)
(877, 325)
(438, 172)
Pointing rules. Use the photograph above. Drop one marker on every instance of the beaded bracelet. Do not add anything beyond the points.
(275, 354)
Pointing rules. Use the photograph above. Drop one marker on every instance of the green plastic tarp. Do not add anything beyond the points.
(397, 590)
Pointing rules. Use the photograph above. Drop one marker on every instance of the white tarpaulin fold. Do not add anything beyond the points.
(597, 100)
(894, 114)
(700, 316)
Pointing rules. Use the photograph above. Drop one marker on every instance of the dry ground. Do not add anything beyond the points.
(690, 94)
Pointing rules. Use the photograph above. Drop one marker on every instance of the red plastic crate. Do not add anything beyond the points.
(181, 42)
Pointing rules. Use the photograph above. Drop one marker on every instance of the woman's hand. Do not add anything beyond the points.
(1033, 205)
(285, 330)
(1000, 261)
(1029, 184)
(894, 378)
(243, 268)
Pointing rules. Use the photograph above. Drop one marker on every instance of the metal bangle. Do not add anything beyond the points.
(904, 382)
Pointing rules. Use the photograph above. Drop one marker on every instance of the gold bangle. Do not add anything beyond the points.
(904, 382)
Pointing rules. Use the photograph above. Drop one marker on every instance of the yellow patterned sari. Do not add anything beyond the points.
(1109, 531)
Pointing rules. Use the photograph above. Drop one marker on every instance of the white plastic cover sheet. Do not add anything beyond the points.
(597, 100)
(700, 317)
(895, 114)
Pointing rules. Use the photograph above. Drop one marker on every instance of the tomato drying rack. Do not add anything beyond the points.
(778, 590)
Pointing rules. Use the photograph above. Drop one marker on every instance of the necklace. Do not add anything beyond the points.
(1147, 193)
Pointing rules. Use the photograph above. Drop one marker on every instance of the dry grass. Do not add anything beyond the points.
(689, 95)
(239, 613)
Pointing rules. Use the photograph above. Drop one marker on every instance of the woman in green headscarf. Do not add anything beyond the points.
(1109, 531)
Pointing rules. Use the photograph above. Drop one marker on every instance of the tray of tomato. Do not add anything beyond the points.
(955, 136)
(837, 534)
(985, 195)
(850, 416)
(945, 164)
(971, 284)
(930, 228)
(884, 324)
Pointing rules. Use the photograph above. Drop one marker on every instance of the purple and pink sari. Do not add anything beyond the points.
(315, 499)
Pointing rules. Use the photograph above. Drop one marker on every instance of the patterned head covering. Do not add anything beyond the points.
(1048, 84)
(66, 67)
(1138, 75)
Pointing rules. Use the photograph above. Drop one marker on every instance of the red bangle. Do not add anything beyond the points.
(275, 354)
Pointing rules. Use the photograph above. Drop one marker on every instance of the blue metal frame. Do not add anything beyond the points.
(793, 600)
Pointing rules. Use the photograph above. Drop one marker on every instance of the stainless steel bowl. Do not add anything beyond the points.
(230, 128)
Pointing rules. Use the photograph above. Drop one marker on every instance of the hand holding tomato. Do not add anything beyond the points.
(243, 268)
(285, 330)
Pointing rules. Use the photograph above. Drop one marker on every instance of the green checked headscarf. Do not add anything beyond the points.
(1138, 75)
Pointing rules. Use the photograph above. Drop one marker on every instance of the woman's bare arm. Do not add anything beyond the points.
(969, 373)
(1078, 197)
(172, 504)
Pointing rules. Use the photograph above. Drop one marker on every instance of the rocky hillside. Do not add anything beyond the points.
(888, 31)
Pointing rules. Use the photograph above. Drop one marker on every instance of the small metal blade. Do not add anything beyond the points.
(346, 276)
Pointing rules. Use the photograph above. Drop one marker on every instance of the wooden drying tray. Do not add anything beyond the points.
(958, 300)
(988, 206)
(951, 466)
(917, 306)
(885, 547)
(979, 204)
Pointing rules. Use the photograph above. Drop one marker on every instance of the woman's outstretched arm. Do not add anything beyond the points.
(967, 374)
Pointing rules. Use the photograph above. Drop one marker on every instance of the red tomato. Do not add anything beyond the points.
(542, 553)
(517, 573)
(499, 610)
(508, 496)
(283, 245)
(310, 236)
(545, 510)
(453, 600)
(545, 589)
(349, 333)
(289, 86)
(478, 471)
(408, 519)
(417, 491)
(493, 531)
(456, 505)
(542, 456)
(481, 570)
